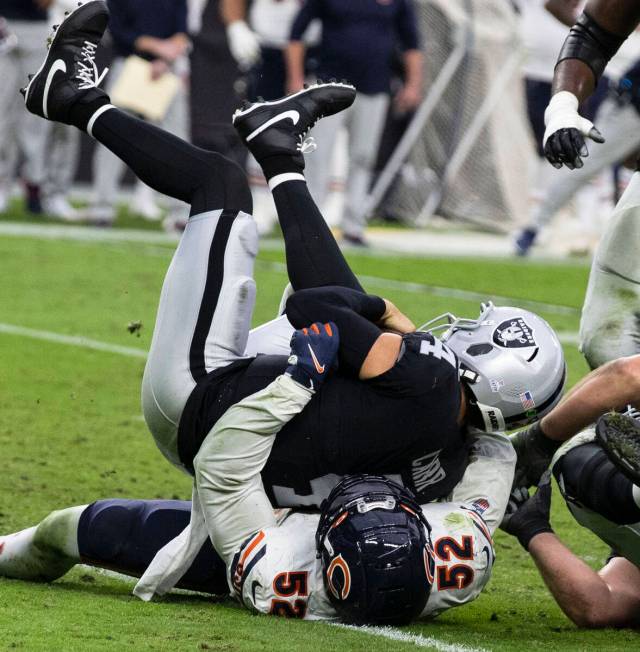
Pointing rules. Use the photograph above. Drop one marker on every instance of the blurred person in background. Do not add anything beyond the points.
(223, 51)
(358, 41)
(155, 30)
(62, 150)
(24, 32)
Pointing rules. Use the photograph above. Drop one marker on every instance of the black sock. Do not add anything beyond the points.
(205, 180)
(85, 108)
(313, 256)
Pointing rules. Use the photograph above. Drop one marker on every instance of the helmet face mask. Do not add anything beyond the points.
(375, 544)
(512, 362)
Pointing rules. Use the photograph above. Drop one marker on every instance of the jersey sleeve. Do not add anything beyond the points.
(272, 573)
(425, 367)
(228, 466)
(486, 484)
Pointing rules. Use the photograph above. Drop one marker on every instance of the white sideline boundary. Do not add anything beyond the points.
(72, 340)
(416, 640)
(80, 342)
(447, 293)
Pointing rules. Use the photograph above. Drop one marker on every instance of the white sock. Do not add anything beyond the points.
(44, 552)
(274, 182)
(17, 558)
(101, 111)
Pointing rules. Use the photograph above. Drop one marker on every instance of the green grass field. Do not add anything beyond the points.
(71, 432)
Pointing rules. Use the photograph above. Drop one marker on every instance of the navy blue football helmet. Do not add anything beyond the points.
(375, 546)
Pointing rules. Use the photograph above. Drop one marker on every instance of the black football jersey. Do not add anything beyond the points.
(402, 423)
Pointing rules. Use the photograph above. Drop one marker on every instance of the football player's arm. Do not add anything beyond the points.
(612, 386)
(296, 50)
(365, 350)
(232, 456)
(488, 477)
(593, 40)
(612, 22)
(228, 465)
(610, 598)
(563, 10)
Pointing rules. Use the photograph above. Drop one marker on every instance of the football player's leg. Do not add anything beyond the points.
(610, 325)
(44, 552)
(275, 133)
(600, 497)
(207, 298)
(204, 316)
(125, 536)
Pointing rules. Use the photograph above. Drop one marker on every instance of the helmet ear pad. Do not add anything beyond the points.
(375, 560)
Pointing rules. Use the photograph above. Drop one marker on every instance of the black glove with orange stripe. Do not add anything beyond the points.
(314, 353)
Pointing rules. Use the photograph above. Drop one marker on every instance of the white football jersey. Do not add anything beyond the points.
(276, 571)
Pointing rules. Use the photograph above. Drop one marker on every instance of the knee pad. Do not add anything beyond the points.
(588, 478)
(107, 528)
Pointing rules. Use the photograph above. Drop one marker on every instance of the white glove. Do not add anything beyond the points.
(243, 43)
(565, 132)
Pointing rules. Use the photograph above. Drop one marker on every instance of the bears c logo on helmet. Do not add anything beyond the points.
(339, 578)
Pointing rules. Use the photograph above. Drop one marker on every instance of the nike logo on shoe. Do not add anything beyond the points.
(58, 66)
(294, 116)
(318, 366)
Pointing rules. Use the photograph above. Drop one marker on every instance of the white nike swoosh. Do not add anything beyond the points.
(319, 367)
(294, 116)
(58, 66)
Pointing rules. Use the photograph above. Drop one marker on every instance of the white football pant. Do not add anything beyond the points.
(195, 321)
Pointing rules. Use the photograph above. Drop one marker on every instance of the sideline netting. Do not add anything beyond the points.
(466, 154)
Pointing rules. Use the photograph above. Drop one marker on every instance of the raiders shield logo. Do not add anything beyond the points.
(514, 334)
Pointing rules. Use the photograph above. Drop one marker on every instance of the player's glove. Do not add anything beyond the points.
(528, 516)
(534, 452)
(566, 130)
(243, 44)
(314, 352)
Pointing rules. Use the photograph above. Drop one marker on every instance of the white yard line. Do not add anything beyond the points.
(389, 633)
(440, 291)
(131, 352)
(414, 639)
(94, 234)
(72, 340)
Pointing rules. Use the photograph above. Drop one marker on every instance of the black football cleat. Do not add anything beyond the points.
(69, 73)
(282, 126)
(619, 436)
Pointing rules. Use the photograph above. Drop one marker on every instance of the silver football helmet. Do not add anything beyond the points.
(511, 360)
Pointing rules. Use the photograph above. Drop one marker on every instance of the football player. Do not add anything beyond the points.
(401, 402)
(598, 473)
(291, 564)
